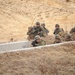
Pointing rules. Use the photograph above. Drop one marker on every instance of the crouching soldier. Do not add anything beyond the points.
(38, 30)
(30, 33)
(38, 41)
(45, 30)
(68, 37)
(57, 40)
(58, 29)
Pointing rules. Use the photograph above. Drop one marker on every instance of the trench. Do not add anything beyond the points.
(24, 46)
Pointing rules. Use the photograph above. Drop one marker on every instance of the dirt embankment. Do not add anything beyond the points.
(58, 60)
(17, 15)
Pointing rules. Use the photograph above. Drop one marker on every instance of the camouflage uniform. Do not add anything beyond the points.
(68, 37)
(35, 43)
(38, 31)
(58, 30)
(57, 39)
(41, 43)
(72, 30)
(30, 33)
(45, 30)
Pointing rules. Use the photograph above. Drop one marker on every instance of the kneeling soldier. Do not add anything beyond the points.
(38, 41)
(58, 29)
(38, 30)
(45, 30)
(57, 39)
(30, 33)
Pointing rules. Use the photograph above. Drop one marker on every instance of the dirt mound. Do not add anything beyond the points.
(18, 15)
(59, 60)
(49, 39)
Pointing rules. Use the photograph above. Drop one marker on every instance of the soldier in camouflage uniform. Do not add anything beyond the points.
(30, 33)
(38, 30)
(57, 39)
(72, 30)
(45, 30)
(68, 37)
(38, 41)
(58, 29)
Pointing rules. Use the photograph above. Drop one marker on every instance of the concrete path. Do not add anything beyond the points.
(23, 46)
(14, 46)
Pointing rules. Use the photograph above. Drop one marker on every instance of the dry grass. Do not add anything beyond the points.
(58, 60)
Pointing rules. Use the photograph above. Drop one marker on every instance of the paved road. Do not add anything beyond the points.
(14, 45)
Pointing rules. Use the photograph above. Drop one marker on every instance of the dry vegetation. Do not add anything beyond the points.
(17, 15)
(58, 60)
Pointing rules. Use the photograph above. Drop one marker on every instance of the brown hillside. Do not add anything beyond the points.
(17, 15)
(59, 60)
